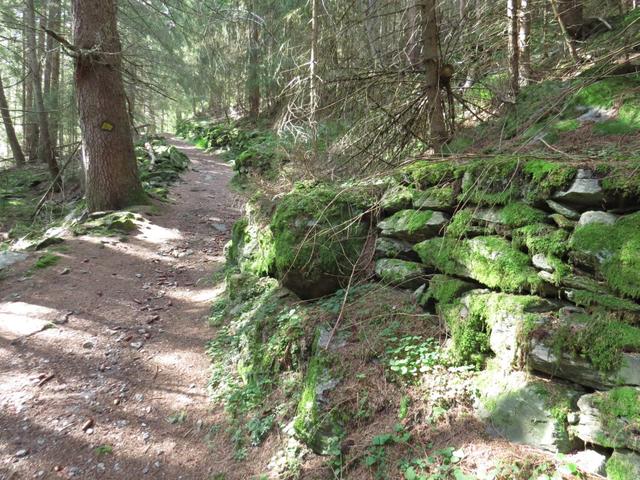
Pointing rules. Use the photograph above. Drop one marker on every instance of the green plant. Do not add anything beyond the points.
(376, 457)
(103, 450)
(177, 418)
(46, 260)
(412, 356)
(440, 465)
(259, 427)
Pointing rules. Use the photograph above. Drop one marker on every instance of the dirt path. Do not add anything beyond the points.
(117, 389)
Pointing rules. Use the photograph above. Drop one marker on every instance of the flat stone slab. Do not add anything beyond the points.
(19, 319)
(9, 258)
(586, 191)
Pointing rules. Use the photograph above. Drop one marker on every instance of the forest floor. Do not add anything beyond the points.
(103, 371)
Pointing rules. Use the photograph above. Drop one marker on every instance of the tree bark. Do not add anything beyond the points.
(524, 41)
(45, 148)
(253, 80)
(30, 117)
(18, 156)
(313, 63)
(52, 72)
(431, 62)
(514, 50)
(111, 171)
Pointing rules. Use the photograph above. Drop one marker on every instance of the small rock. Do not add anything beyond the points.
(65, 271)
(145, 470)
(139, 275)
(88, 345)
(589, 461)
(563, 210)
(101, 468)
(136, 345)
(22, 453)
(588, 218)
(157, 464)
(542, 262)
(563, 222)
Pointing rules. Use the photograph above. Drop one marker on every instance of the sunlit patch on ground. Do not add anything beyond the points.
(19, 319)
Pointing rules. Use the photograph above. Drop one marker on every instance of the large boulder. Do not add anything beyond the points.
(527, 410)
(434, 198)
(490, 260)
(319, 234)
(414, 225)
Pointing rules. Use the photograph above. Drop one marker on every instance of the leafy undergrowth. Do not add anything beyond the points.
(313, 390)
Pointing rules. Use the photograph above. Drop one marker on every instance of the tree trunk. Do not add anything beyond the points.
(111, 171)
(313, 63)
(414, 45)
(431, 62)
(30, 117)
(45, 148)
(253, 79)
(52, 72)
(524, 41)
(18, 156)
(514, 50)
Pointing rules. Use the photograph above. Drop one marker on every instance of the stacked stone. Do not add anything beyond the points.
(535, 274)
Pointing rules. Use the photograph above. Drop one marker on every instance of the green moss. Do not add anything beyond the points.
(444, 290)
(46, 260)
(519, 214)
(397, 198)
(252, 247)
(545, 177)
(489, 260)
(409, 221)
(568, 125)
(614, 250)
(585, 298)
(460, 224)
(469, 334)
(318, 236)
(598, 337)
(438, 197)
(400, 272)
(542, 238)
(621, 467)
(491, 181)
(426, 173)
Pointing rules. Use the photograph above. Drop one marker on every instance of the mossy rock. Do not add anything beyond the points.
(313, 426)
(491, 182)
(527, 410)
(483, 322)
(396, 198)
(400, 273)
(319, 235)
(110, 223)
(413, 225)
(394, 248)
(610, 419)
(443, 289)
(490, 260)
(424, 173)
(540, 238)
(252, 247)
(613, 251)
(592, 349)
(623, 465)
(435, 198)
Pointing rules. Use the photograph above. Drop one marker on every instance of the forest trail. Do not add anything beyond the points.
(117, 388)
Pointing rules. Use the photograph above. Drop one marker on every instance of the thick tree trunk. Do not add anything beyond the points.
(524, 41)
(111, 171)
(431, 62)
(514, 50)
(253, 79)
(45, 148)
(18, 156)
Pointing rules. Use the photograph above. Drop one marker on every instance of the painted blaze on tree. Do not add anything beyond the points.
(112, 180)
